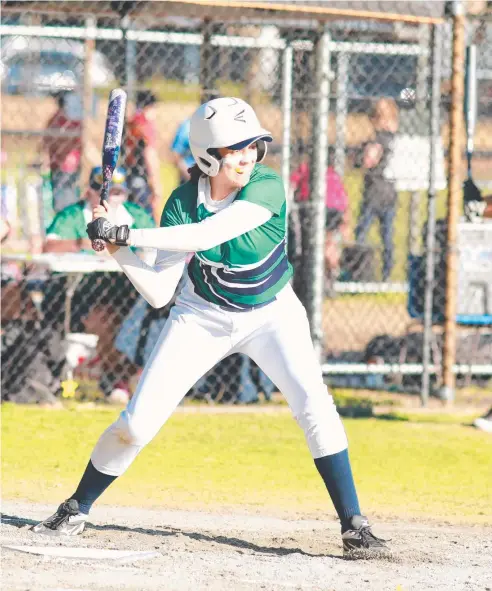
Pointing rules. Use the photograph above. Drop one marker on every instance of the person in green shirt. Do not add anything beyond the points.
(237, 298)
(67, 232)
(102, 300)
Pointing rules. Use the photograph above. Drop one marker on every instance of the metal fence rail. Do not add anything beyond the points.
(371, 268)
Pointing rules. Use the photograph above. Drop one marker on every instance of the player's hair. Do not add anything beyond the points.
(195, 171)
(195, 174)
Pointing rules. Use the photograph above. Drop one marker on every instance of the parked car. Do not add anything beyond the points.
(39, 65)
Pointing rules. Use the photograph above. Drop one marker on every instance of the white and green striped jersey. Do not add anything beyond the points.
(249, 270)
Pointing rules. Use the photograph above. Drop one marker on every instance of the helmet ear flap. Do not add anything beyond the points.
(261, 146)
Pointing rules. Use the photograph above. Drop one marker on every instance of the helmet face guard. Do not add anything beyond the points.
(224, 123)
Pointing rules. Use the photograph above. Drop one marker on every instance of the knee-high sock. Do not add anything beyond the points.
(91, 487)
(337, 476)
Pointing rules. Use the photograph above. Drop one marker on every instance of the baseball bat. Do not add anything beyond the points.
(115, 120)
(470, 103)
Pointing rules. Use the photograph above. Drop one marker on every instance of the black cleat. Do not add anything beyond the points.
(67, 521)
(359, 541)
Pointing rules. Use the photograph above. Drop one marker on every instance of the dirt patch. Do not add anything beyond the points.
(350, 325)
(200, 550)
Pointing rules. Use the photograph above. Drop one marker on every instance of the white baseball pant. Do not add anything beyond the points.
(196, 336)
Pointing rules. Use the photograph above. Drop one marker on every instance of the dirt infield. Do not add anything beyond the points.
(199, 550)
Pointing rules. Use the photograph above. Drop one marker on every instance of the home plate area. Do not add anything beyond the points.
(81, 553)
(127, 548)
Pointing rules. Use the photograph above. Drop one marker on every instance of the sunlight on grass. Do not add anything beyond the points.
(254, 461)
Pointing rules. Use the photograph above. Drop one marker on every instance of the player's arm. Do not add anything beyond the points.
(156, 283)
(233, 221)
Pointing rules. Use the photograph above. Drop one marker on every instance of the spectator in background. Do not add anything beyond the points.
(181, 152)
(379, 196)
(477, 206)
(67, 232)
(337, 216)
(102, 300)
(63, 152)
(141, 157)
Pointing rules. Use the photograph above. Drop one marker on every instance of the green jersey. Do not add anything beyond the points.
(249, 270)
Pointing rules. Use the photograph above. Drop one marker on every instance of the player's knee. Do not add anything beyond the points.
(312, 404)
(130, 431)
(320, 421)
(315, 410)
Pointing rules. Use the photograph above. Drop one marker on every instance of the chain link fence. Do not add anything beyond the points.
(359, 106)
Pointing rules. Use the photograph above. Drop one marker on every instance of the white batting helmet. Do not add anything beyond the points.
(224, 123)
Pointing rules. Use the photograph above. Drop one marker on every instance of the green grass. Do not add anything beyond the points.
(255, 461)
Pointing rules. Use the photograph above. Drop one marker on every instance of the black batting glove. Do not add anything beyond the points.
(103, 229)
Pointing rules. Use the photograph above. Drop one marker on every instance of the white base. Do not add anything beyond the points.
(85, 553)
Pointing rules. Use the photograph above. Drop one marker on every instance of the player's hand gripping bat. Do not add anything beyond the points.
(115, 120)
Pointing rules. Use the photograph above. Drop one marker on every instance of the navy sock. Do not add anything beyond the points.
(337, 476)
(91, 487)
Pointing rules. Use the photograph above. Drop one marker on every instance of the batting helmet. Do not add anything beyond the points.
(224, 123)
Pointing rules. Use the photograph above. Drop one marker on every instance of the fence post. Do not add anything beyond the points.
(318, 184)
(454, 198)
(341, 111)
(87, 94)
(130, 58)
(286, 113)
(434, 133)
(207, 79)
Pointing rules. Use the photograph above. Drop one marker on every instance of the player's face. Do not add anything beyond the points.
(237, 165)
(116, 196)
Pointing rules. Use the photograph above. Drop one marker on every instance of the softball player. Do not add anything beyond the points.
(237, 298)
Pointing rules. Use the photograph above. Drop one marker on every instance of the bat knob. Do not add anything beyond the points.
(98, 245)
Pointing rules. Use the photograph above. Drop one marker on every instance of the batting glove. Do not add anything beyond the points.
(103, 229)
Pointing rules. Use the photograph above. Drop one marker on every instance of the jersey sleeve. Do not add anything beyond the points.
(64, 226)
(265, 189)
